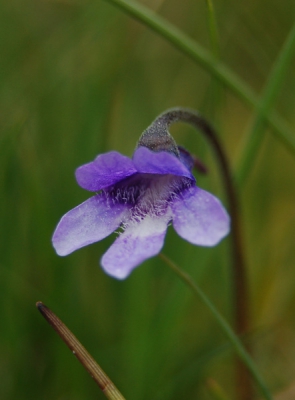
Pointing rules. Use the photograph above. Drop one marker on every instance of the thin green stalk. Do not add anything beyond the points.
(239, 276)
(213, 29)
(233, 338)
(270, 92)
(98, 375)
(216, 390)
(213, 32)
(201, 56)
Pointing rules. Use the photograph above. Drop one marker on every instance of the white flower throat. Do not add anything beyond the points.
(147, 194)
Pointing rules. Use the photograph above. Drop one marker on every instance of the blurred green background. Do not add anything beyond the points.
(78, 78)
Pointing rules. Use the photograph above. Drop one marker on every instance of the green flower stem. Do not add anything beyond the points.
(235, 341)
(254, 137)
(239, 275)
(99, 376)
(240, 296)
(199, 55)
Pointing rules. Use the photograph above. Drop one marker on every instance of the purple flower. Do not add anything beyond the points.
(140, 196)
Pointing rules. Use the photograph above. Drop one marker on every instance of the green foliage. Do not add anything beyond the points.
(81, 78)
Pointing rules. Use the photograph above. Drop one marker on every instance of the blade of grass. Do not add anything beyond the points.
(216, 390)
(255, 135)
(216, 87)
(99, 376)
(235, 341)
(198, 54)
(213, 29)
(188, 46)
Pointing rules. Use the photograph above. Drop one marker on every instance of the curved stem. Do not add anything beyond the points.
(244, 356)
(239, 275)
(240, 291)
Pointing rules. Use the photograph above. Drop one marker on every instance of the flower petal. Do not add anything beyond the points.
(141, 240)
(104, 171)
(199, 217)
(87, 223)
(150, 162)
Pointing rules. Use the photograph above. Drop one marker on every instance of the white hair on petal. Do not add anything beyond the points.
(148, 195)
